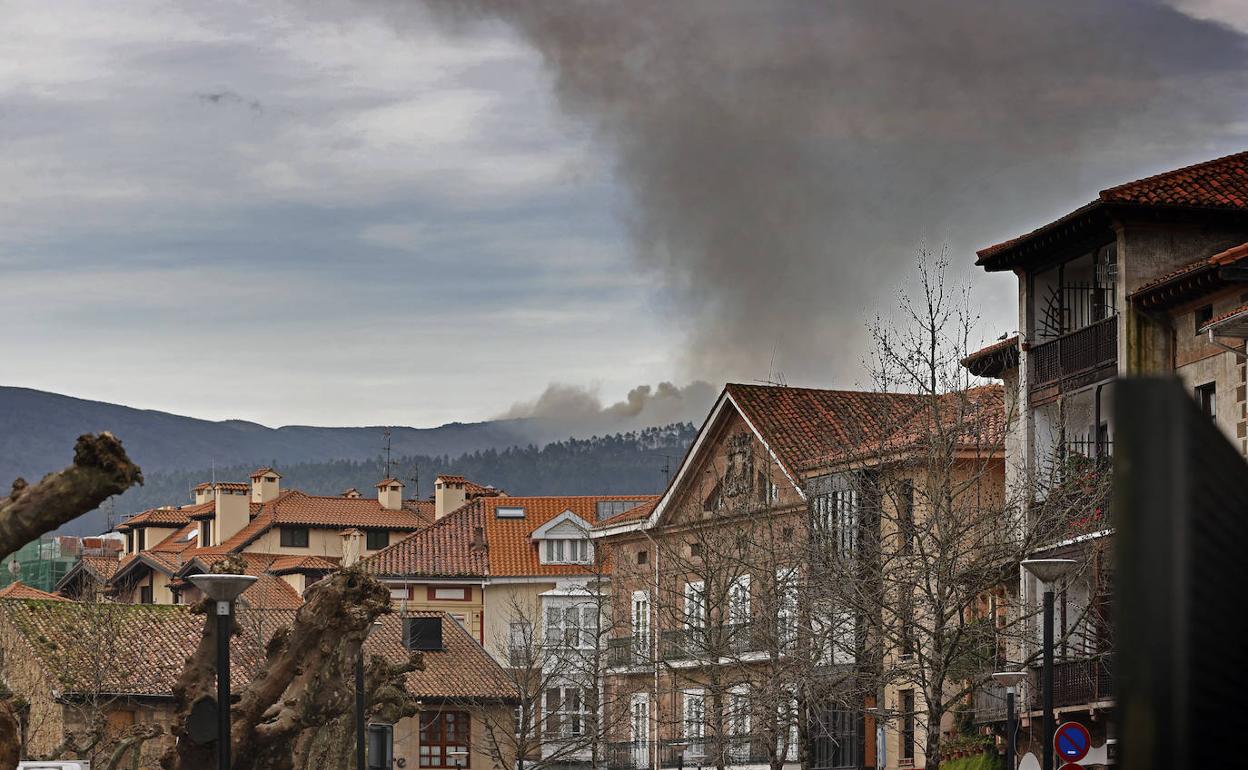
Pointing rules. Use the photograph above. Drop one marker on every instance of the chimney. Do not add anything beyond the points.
(390, 494)
(351, 494)
(232, 512)
(203, 493)
(266, 484)
(448, 494)
(351, 546)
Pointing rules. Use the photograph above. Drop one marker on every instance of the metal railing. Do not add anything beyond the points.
(628, 651)
(708, 642)
(1084, 350)
(735, 750)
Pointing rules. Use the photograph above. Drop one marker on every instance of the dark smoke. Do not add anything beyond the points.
(785, 157)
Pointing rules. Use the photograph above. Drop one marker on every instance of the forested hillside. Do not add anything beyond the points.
(622, 463)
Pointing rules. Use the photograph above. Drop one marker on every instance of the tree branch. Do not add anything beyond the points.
(101, 469)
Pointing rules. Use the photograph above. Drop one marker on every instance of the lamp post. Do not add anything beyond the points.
(680, 747)
(1048, 571)
(360, 739)
(223, 589)
(1009, 680)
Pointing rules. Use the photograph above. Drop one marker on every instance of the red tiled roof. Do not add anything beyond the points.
(264, 471)
(1225, 316)
(443, 548)
(1221, 183)
(301, 563)
(462, 670)
(236, 486)
(992, 360)
(512, 550)
(19, 590)
(159, 517)
(806, 426)
(387, 482)
(101, 567)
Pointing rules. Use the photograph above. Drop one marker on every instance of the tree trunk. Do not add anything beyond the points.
(101, 469)
(306, 682)
(10, 735)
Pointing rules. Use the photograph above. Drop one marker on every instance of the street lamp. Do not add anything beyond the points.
(1009, 680)
(459, 756)
(360, 738)
(1048, 571)
(223, 589)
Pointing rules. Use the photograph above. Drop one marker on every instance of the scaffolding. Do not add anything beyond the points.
(41, 563)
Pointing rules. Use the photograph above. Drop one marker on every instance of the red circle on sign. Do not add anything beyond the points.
(1071, 741)
(1071, 766)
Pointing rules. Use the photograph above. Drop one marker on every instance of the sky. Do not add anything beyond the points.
(363, 213)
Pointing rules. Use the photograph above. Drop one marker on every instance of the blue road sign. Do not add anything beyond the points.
(1071, 741)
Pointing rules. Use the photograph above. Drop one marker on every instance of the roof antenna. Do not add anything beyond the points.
(386, 433)
(415, 479)
(667, 470)
(774, 377)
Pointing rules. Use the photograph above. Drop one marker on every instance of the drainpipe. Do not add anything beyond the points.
(654, 653)
(1241, 354)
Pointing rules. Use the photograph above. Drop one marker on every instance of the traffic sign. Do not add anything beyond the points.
(1071, 766)
(1071, 741)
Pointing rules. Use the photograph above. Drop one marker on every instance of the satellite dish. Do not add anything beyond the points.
(15, 569)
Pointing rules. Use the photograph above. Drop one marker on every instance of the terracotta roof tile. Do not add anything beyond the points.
(442, 548)
(512, 550)
(134, 649)
(636, 513)
(19, 590)
(300, 563)
(263, 471)
(992, 360)
(157, 517)
(1221, 183)
(102, 567)
(462, 670)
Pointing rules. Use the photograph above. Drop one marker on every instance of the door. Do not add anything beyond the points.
(639, 732)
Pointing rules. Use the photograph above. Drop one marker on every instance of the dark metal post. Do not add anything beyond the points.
(1010, 729)
(359, 711)
(1047, 680)
(680, 760)
(223, 685)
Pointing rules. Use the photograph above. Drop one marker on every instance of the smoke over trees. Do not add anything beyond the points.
(799, 150)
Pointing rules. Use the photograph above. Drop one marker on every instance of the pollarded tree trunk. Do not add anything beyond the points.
(10, 735)
(101, 469)
(304, 683)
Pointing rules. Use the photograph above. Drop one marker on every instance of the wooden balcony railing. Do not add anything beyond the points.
(1080, 352)
(1076, 682)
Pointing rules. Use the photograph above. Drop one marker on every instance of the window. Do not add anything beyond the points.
(767, 491)
(375, 539)
(130, 541)
(739, 600)
(786, 735)
(145, 594)
(294, 537)
(905, 516)
(695, 605)
(380, 747)
(695, 549)
(1201, 317)
(786, 608)
(836, 515)
(693, 720)
(508, 513)
(639, 728)
(565, 712)
(444, 739)
(205, 536)
(643, 557)
(520, 644)
(140, 538)
(567, 551)
(907, 727)
(641, 624)
(738, 722)
(1207, 400)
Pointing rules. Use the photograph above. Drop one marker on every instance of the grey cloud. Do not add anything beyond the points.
(578, 410)
(228, 97)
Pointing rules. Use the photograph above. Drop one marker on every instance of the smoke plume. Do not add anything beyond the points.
(580, 411)
(784, 158)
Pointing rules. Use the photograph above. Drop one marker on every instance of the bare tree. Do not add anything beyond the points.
(933, 568)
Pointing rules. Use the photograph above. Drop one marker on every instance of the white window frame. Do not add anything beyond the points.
(739, 600)
(693, 720)
(639, 728)
(738, 722)
(695, 605)
(786, 608)
(640, 623)
(563, 550)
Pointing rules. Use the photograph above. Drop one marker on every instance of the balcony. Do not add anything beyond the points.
(736, 750)
(628, 651)
(989, 703)
(1075, 359)
(708, 642)
(1076, 682)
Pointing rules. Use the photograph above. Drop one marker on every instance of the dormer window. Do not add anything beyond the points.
(564, 540)
(566, 552)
